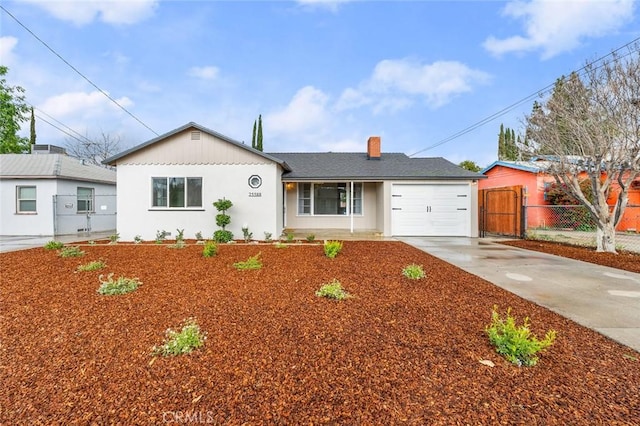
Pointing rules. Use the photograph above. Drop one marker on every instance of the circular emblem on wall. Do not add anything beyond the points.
(255, 181)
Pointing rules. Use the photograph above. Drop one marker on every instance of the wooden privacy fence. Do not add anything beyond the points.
(501, 211)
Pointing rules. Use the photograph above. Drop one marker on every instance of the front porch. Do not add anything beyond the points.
(335, 234)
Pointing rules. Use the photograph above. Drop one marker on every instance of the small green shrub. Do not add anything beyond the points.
(210, 249)
(514, 342)
(161, 236)
(280, 245)
(253, 262)
(332, 248)
(413, 272)
(121, 285)
(311, 238)
(190, 337)
(222, 236)
(71, 251)
(199, 236)
(113, 239)
(267, 236)
(333, 290)
(247, 234)
(290, 237)
(179, 244)
(53, 245)
(91, 266)
(137, 239)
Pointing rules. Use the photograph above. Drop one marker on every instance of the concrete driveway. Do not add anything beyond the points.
(604, 299)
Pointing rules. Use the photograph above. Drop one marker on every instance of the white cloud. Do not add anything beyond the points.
(108, 11)
(205, 73)
(557, 26)
(331, 5)
(81, 104)
(395, 84)
(7, 44)
(305, 113)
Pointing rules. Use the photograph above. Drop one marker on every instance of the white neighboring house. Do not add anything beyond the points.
(50, 193)
(170, 183)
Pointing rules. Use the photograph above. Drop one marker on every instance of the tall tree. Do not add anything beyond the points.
(94, 150)
(32, 133)
(470, 165)
(253, 138)
(507, 148)
(13, 111)
(590, 127)
(259, 141)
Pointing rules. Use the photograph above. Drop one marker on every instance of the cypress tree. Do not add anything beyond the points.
(253, 138)
(259, 142)
(33, 130)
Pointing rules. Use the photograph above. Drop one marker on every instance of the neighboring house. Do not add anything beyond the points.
(170, 183)
(49, 193)
(532, 177)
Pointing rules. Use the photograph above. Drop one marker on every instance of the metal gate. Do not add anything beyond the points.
(75, 215)
(501, 211)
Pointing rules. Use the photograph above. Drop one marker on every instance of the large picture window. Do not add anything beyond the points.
(85, 200)
(329, 198)
(26, 199)
(176, 192)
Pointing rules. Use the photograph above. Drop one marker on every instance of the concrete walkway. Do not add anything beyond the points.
(14, 243)
(604, 299)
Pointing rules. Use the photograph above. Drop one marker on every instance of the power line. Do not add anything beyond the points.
(79, 138)
(518, 103)
(78, 72)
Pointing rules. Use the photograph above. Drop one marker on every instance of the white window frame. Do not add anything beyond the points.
(19, 200)
(167, 197)
(358, 195)
(89, 199)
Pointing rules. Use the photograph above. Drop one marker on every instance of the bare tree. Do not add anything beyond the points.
(590, 128)
(94, 150)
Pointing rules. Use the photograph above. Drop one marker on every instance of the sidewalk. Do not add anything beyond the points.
(604, 299)
(14, 243)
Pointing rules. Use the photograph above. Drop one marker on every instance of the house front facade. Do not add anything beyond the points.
(49, 194)
(171, 182)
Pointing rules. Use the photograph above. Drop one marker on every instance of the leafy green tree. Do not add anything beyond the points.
(13, 111)
(470, 165)
(507, 144)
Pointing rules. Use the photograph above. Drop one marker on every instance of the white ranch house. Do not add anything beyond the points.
(170, 183)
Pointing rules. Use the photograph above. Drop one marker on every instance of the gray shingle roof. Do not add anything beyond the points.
(356, 166)
(52, 166)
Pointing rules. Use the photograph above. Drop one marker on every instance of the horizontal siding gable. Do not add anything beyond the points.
(192, 146)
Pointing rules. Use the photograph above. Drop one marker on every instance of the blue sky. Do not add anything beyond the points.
(325, 75)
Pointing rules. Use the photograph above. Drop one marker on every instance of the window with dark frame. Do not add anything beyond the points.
(329, 198)
(176, 192)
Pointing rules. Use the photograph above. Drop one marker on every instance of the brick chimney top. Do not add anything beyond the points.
(373, 148)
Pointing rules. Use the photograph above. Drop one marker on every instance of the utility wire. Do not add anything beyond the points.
(520, 102)
(77, 71)
(61, 130)
(79, 137)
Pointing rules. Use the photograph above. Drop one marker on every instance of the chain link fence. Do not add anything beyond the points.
(74, 214)
(574, 225)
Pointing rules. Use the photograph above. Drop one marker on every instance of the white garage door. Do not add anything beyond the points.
(431, 210)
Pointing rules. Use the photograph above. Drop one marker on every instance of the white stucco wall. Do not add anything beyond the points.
(13, 223)
(261, 213)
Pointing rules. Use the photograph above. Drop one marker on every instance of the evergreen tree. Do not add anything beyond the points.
(507, 147)
(259, 141)
(32, 139)
(253, 138)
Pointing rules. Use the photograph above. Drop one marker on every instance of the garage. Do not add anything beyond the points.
(433, 210)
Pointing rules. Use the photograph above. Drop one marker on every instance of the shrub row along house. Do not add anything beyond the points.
(170, 182)
(49, 193)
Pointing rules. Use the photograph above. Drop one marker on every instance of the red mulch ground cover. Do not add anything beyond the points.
(400, 351)
(623, 260)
